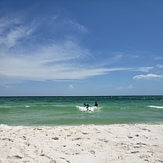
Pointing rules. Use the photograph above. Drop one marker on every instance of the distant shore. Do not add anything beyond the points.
(85, 143)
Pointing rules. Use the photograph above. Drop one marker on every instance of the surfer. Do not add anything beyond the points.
(87, 106)
(96, 104)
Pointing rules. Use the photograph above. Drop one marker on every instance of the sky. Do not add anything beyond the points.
(81, 47)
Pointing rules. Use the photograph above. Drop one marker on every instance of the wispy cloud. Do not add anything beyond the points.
(148, 76)
(57, 62)
(157, 58)
(78, 26)
(24, 57)
(124, 87)
(39, 51)
(159, 66)
(14, 35)
(144, 69)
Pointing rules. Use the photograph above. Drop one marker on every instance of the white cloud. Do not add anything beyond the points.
(40, 69)
(71, 86)
(144, 69)
(56, 62)
(24, 57)
(148, 76)
(124, 87)
(157, 58)
(118, 69)
(13, 35)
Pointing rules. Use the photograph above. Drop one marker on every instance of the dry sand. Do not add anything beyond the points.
(140, 143)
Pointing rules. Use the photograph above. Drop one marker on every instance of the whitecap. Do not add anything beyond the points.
(92, 108)
(157, 107)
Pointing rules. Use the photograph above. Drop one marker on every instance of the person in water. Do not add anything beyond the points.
(87, 106)
(96, 104)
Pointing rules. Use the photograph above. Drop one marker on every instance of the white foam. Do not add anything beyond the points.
(4, 126)
(92, 108)
(157, 107)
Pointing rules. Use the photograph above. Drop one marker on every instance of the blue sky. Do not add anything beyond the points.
(81, 47)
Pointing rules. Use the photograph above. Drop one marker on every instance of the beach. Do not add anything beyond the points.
(122, 129)
(118, 143)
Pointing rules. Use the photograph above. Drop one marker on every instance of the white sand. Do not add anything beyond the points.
(82, 144)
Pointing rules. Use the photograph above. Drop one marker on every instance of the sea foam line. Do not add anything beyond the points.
(157, 107)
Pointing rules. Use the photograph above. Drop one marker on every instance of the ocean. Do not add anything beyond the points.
(69, 110)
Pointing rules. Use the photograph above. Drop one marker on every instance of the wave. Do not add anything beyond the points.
(4, 126)
(157, 107)
(92, 109)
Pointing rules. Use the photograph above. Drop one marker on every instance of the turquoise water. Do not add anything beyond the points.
(49, 111)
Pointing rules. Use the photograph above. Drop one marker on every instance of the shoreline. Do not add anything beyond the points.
(83, 143)
(75, 125)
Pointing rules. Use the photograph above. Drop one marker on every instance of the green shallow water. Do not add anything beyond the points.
(58, 110)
